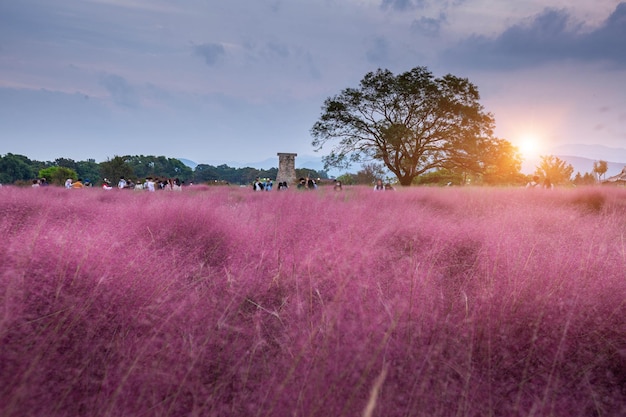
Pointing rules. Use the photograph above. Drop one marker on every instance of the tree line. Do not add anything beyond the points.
(419, 128)
(20, 170)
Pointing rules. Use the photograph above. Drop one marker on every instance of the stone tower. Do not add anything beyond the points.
(286, 168)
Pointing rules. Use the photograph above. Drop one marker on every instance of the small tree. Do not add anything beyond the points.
(587, 179)
(554, 169)
(441, 177)
(599, 168)
(370, 173)
(57, 175)
(347, 178)
(115, 168)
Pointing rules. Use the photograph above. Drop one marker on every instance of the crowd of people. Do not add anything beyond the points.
(150, 184)
(175, 184)
(309, 184)
(534, 183)
(265, 184)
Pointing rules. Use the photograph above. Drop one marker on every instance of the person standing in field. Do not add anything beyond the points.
(77, 184)
(121, 184)
(337, 186)
(547, 184)
(534, 182)
(68, 183)
(257, 185)
(149, 185)
(379, 185)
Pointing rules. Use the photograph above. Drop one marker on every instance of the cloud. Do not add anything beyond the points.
(211, 52)
(378, 52)
(278, 49)
(403, 5)
(428, 26)
(120, 90)
(549, 37)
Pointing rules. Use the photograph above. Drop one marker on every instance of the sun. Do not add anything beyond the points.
(529, 145)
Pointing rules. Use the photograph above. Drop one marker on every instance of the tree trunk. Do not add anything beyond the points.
(405, 180)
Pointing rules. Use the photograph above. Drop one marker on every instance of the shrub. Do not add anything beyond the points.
(221, 301)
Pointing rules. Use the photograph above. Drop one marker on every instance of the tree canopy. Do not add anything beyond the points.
(600, 167)
(20, 169)
(15, 168)
(412, 122)
(554, 169)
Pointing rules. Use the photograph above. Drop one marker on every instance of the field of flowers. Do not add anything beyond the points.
(226, 302)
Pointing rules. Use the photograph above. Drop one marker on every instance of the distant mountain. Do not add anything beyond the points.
(582, 157)
(191, 164)
(593, 152)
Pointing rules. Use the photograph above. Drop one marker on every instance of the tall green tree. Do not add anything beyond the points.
(89, 170)
(412, 122)
(113, 169)
(15, 168)
(67, 163)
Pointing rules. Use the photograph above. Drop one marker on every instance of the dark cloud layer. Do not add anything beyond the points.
(403, 5)
(427, 26)
(378, 51)
(120, 90)
(211, 52)
(551, 36)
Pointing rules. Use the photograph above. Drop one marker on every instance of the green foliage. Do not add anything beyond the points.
(66, 163)
(600, 168)
(586, 179)
(89, 170)
(19, 168)
(158, 166)
(311, 173)
(246, 175)
(440, 177)
(370, 173)
(206, 173)
(114, 169)
(15, 168)
(347, 179)
(412, 122)
(58, 175)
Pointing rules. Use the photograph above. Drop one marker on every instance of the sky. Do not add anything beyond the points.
(242, 80)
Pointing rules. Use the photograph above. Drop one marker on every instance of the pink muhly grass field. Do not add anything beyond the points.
(226, 302)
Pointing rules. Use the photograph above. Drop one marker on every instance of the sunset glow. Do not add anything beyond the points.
(529, 145)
